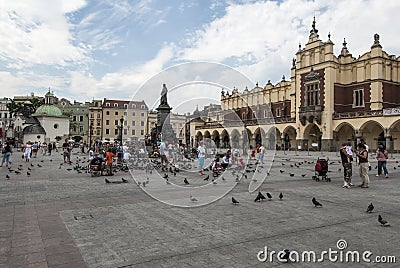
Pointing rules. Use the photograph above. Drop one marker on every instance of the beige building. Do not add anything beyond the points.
(95, 127)
(132, 114)
(177, 122)
(328, 99)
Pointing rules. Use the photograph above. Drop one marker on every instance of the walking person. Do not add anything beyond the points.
(382, 156)
(49, 148)
(7, 150)
(362, 155)
(261, 155)
(28, 151)
(35, 148)
(201, 154)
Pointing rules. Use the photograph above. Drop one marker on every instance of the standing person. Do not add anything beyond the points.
(28, 151)
(7, 150)
(35, 148)
(261, 155)
(49, 148)
(201, 154)
(163, 154)
(66, 152)
(362, 155)
(109, 158)
(347, 167)
(55, 147)
(44, 148)
(382, 156)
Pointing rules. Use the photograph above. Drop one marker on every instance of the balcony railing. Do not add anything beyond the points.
(315, 108)
(249, 122)
(348, 115)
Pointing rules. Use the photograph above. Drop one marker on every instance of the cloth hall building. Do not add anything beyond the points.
(328, 100)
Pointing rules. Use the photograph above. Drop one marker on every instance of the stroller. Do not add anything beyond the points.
(321, 170)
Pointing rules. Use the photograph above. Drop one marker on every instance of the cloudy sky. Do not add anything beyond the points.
(95, 49)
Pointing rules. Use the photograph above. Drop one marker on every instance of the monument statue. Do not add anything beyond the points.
(164, 92)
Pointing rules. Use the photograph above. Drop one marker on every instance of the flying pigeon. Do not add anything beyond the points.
(370, 208)
(234, 201)
(315, 202)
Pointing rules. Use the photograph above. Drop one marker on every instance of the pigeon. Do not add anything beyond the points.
(214, 182)
(31, 165)
(29, 169)
(382, 221)
(165, 176)
(167, 181)
(281, 171)
(303, 175)
(339, 170)
(259, 197)
(7, 177)
(280, 196)
(144, 184)
(39, 165)
(107, 181)
(291, 174)
(223, 179)
(186, 181)
(42, 161)
(69, 169)
(124, 181)
(28, 173)
(370, 208)
(315, 202)
(193, 199)
(206, 178)
(269, 196)
(174, 173)
(234, 201)
(17, 172)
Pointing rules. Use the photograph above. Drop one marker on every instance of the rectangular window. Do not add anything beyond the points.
(133, 114)
(125, 132)
(98, 123)
(243, 116)
(358, 98)
(125, 113)
(141, 114)
(74, 118)
(278, 112)
(116, 113)
(81, 118)
(133, 123)
(81, 129)
(107, 131)
(142, 123)
(107, 122)
(108, 113)
(125, 123)
(312, 95)
(142, 132)
(116, 131)
(91, 115)
(116, 122)
(98, 132)
(133, 132)
(98, 116)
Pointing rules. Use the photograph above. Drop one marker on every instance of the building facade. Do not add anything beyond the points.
(5, 118)
(328, 100)
(177, 122)
(79, 117)
(132, 114)
(95, 122)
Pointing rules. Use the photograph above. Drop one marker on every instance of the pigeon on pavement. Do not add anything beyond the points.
(234, 201)
(370, 208)
(315, 202)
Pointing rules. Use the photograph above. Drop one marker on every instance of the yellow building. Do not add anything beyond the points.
(95, 121)
(328, 99)
(133, 115)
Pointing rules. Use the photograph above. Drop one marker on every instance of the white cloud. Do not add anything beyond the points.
(38, 34)
(261, 38)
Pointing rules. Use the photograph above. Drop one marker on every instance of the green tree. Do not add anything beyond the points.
(36, 103)
(14, 107)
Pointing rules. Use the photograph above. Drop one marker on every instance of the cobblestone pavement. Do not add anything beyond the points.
(60, 218)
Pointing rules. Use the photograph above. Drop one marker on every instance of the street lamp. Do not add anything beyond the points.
(121, 120)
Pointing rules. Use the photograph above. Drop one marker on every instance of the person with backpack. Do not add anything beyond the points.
(382, 156)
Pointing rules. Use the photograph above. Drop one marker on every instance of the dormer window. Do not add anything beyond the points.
(116, 105)
(107, 104)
